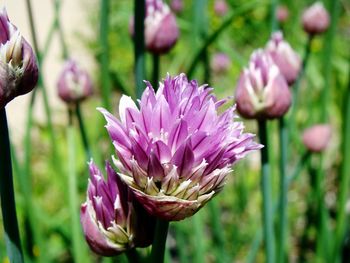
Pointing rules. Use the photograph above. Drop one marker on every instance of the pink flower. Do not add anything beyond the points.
(317, 137)
(220, 7)
(220, 63)
(315, 19)
(282, 13)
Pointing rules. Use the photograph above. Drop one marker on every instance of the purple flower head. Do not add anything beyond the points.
(110, 217)
(282, 13)
(317, 137)
(74, 84)
(315, 19)
(220, 7)
(177, 6)
(175, 150)
(18, 66)
(161, 31)
(262, 92)
(220, 63)
(287, 60)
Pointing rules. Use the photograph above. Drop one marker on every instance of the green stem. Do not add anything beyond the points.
(342, 217)
(274, 22)
(133, 256)
(283, 137)
(269, 235)
(198, 228)
(7, 195)
(83, 131)
(139, 45)
(72, 192)
(159, 242)
(218, 231)
(104, 59)
(156, 68)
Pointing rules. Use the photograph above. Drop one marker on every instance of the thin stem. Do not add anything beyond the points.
(159, 242)
(7, 195)
(104, 59)
(83, 131)
(269, 235)
(72, 191)
(156, 68)
(133, 256)
(274, 22)
(283, 137)
(139, 45)
(198, 228)
(342, 217)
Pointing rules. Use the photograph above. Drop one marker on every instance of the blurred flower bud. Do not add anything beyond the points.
(315, 19)
(177, 6)
(282, 13)
(262, 92)
(161, 31)
(317, 137)
(111, 219)
(18, 65)
(286, 59)
(220, 63)
(220, 7)
(74, 83)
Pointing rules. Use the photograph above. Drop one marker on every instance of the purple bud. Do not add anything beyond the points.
(111, 219)
(317, 137)
(176, 149)
(177, 6)
(161, 31)
(315, 19)
(287, 60)
(220, 63)
(18, 65)
(74, 84)
(282, 13)
(220, 7)
(262, 92)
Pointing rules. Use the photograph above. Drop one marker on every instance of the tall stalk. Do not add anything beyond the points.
(139, 45)
(268, 230)
(7, 195)
(159, 242)
(156, 70)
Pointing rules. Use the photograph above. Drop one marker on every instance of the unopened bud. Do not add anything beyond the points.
(315, 19)
(317, 137)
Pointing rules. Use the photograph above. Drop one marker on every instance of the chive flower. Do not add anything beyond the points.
(175, 149)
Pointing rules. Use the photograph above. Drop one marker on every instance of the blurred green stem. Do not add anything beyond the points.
(159, 241)
(156, 70)
(283, 140)
(274, 22)
(7, 195)
(104, 58)
(139, 45)
(83, 131)
(342, 217)
(72, 192)
(133, 256)
(218, 231)
(269, 235)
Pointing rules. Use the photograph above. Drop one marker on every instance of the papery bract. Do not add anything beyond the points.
(74, 84)
(287, 60)
(111, 219)
(317, 137)
(315, 19)
(262, 92)
(175, 149)
(18, 65)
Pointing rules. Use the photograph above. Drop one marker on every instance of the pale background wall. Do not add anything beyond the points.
(74, 19)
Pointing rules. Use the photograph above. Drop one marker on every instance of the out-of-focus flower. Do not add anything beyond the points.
(220, 7)
(18, 65)
(111, 219)
(262, 92)
(220, 63)
(176, 149)
(315, 19)
(177, 6)
(161, 31)
(287, 60)
(74, 83)
(282, 13)
(317, 137)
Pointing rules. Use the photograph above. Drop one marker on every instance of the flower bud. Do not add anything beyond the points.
(286, 59)
(111, 219)
(317, 137)
(282, 13)
(220, 7)
(177, 6)
(262, 92)
(161, 31)
(220, 63)
(74, 83)
(315, 19)
(18, 66)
